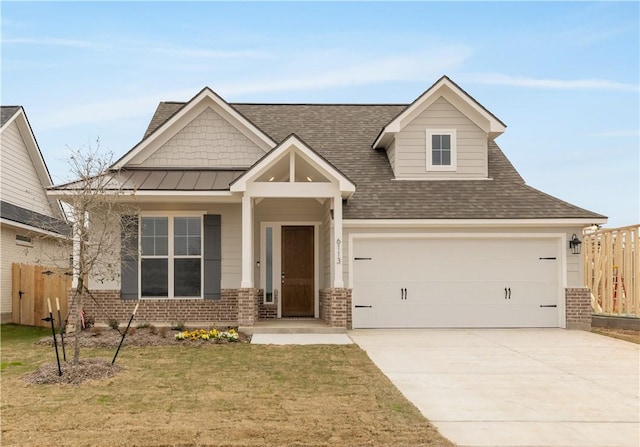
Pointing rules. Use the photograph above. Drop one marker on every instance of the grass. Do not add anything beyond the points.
(233, 394)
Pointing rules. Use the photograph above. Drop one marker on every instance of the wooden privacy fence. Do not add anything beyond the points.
(612, 270)
(31, 286)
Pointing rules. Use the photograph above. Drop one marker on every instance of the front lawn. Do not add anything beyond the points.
(231, 394)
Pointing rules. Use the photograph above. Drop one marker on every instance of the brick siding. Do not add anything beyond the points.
(223, 311)
(335, 307)
(247, 306)
(578, 308)
(267, 311)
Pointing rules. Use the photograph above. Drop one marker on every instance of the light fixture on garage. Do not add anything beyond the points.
(575, 244)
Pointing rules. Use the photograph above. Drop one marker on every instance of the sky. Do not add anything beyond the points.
(563, 76)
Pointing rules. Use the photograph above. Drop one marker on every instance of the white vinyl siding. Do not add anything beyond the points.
(43, 251)
(291, 212)
(20, 183)
(391, 155)
(411, 147)
(231, 250)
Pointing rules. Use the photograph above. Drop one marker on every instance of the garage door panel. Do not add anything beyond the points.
(461, 282)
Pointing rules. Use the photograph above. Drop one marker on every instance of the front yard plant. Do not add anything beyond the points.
(212, 334)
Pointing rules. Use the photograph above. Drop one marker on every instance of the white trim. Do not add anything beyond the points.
(461, 100)
(205, 98)
(166, 196)
(277, 259)
(439, 179)
(37, 160)
(22, 243)
(22, 226)
(337, 257)
(246, 281)
(453, 136)
(170, 215)
(435, 223)
(311, 190)
(561, 239)
(292, 146)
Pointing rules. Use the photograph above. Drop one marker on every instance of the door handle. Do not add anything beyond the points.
(505, 293)
(509, 292)
(282, 277)
(405, 293)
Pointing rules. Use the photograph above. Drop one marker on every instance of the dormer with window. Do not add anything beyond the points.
(442, 135)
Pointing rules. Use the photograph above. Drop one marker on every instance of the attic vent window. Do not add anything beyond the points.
(23, 240)
(441, 151)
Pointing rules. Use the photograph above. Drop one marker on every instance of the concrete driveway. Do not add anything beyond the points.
(515, 387)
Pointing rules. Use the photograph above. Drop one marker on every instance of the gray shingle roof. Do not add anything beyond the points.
(6, 112)
(15, 213)
(343, 134)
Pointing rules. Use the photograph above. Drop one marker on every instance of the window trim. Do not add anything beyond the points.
(25, 241)
(429, 150)
(170, 215)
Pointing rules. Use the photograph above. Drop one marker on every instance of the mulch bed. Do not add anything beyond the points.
(99, 337)
(87, 369)
(98, 368)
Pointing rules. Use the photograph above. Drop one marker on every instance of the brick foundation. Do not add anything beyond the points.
(335, 307)
(578, 308)
(267, 311)
(247, 306)
(223, 311)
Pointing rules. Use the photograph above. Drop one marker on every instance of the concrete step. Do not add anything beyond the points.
(291, 327)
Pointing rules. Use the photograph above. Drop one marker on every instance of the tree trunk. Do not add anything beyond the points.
(79, 298)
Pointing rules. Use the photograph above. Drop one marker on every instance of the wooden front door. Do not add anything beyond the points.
(297, 271)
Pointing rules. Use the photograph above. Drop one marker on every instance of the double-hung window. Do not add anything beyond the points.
(441, 150)
(171, 256)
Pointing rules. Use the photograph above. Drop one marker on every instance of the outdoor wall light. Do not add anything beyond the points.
(575, 244)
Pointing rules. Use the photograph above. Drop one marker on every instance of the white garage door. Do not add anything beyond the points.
(458, 282)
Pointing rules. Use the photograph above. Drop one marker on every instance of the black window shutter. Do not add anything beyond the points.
(212, 256)
(129, 258)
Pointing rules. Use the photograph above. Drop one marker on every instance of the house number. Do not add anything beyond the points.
(338, 254)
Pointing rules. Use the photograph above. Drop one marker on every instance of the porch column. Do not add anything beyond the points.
(247, 242)
(337, 242)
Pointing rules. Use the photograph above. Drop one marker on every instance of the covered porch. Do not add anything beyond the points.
(292, 263)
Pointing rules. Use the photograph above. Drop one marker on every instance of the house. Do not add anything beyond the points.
(32, 224)
(364, 216)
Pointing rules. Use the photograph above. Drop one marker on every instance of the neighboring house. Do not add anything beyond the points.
(361, 215)
(31, 222)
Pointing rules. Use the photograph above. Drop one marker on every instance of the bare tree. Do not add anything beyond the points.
(97, 206)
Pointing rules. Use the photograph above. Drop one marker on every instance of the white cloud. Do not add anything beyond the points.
(209, 54)
(425, 67)
(109, 110)
(615, 133)
(47, 41)
(559, 84)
